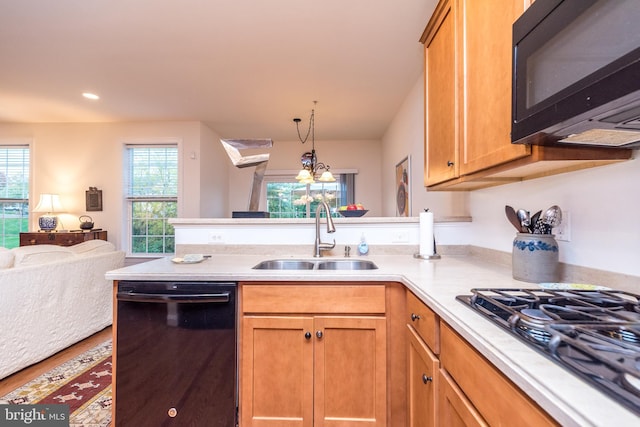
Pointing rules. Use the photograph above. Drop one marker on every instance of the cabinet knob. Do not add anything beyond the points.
(450, 163)
(414, 317)
(426, 379)
(319, 334)
(307, 335)
(172, 412)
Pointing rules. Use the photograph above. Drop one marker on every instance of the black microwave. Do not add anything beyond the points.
(576, 73)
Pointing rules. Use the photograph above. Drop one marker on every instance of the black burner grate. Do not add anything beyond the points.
(595, 334)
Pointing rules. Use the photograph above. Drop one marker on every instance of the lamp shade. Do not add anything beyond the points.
(303, 175)
(327, 176)
(48, 203)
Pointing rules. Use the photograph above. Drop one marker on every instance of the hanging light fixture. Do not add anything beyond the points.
(310, 164)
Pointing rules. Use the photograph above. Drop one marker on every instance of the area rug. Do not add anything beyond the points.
(83, 383)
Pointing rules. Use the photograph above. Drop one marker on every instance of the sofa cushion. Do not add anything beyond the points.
(39, 254)
(91, 247)
(6, 258)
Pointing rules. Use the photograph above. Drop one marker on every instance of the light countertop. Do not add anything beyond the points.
(570, 400)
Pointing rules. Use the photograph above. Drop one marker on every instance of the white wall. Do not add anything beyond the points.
(602, 201)
(68, 158)
(214, 166)
(405, 136)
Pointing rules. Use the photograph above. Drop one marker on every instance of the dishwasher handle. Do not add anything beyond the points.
(222, 297)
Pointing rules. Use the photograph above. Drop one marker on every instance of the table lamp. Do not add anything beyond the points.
(49, 204)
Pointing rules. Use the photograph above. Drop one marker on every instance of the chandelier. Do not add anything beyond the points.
(310, 164)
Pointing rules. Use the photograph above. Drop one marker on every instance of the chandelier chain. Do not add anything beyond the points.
(310, 131)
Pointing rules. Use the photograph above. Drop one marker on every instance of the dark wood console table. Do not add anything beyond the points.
(67, 238)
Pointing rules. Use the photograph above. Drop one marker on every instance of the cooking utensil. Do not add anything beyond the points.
(512, 216)
(524, 218)
(534, 219)
(553, 216)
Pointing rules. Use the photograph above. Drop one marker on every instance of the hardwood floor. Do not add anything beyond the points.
(22, 377)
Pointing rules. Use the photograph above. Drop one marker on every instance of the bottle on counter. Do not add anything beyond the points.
(363, 247)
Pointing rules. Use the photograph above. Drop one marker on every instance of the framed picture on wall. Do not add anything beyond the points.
(93, 199)
(403, 187)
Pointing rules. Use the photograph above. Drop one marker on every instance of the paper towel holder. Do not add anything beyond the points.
(435, 255)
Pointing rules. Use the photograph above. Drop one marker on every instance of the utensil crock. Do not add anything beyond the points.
(535, 258)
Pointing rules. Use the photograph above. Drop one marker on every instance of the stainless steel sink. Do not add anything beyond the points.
(298, 264)
(285, 264)
(346, 264)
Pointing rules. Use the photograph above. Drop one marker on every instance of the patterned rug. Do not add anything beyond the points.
(83, 383)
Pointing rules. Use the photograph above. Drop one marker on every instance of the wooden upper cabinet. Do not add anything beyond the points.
(468, 81)
(440, 97)
(486, 79)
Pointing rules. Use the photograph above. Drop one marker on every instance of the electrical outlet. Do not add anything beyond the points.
(563, 231)
(400, 237)
(216, 237)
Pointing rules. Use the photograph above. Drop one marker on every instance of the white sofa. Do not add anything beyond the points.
(52, 297)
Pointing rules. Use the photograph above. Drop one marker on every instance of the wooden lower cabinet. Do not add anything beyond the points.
(422, 382)
(305, 369)
(454, 409)
(485, 389)
(277, 372)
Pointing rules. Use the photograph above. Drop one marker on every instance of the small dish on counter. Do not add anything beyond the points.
(190, 259)
(353, 213)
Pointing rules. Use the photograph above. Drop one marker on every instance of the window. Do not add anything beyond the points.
(152, 197)
(287, 198)
(14, 193)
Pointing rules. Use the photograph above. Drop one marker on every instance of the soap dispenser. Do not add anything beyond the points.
(363, 247)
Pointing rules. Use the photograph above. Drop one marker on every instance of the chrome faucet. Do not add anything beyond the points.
(320, 246)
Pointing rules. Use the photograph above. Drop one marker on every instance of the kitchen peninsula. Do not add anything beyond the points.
(550, 388)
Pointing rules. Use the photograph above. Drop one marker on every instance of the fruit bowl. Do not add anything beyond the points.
(353, 213)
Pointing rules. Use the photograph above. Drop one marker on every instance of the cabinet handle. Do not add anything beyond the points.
(426, 379)
(414, 317)
(319, 334)
(307, 335)
(450, 163)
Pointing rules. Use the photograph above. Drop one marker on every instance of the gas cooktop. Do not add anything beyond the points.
(595, 334)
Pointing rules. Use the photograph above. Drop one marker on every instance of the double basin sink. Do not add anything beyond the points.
(300, 264)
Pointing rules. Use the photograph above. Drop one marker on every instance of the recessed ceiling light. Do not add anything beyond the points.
(89, 95)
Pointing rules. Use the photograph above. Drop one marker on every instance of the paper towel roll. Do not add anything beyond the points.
(426, 234)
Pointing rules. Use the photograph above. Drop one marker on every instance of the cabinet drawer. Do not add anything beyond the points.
(499, 401)
(340, 298)
(425, 321)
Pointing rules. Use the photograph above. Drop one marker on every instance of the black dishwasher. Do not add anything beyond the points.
(176, 354)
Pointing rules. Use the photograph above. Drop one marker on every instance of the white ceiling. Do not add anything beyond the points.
(246, 68)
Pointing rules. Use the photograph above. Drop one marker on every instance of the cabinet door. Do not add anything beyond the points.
(441, 151)
(422, 382)
(350, 371)
(486, 43)
(277, 372)
(454, 409)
